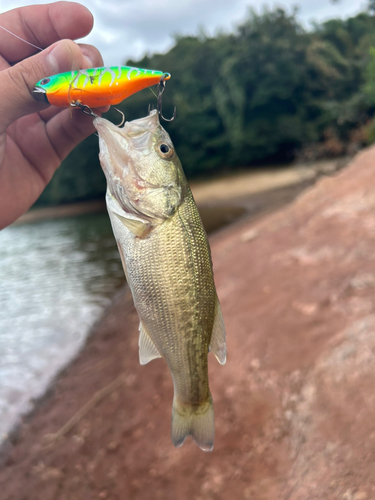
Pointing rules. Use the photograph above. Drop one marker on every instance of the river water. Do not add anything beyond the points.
(56, 277)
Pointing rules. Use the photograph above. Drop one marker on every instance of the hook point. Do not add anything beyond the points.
(161, 88)
(123, 116)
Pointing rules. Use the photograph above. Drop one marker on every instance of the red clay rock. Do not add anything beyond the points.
(295, 404)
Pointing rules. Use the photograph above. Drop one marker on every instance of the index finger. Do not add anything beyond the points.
(42, 25)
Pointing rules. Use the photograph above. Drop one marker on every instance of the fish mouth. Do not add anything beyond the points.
(146, 124)
(119, 145)
(131, 130)
(39, 94)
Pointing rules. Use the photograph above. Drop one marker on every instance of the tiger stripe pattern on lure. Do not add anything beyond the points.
(95, 87)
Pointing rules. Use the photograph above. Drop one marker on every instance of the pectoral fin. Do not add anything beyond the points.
(147, 349)
(218, 343)
(137, 227)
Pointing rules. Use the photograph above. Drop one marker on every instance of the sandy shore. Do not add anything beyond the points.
(87, 207)
(294, 406)
(228, 190)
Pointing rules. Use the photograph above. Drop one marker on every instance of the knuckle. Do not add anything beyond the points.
(21, 77)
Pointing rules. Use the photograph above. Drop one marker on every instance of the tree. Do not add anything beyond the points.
(255, 95)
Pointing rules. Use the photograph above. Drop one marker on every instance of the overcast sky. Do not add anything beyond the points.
(130, 28)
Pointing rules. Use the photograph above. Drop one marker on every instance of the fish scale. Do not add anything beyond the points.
(166, 305)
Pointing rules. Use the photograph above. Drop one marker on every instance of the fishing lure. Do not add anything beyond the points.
(95, 87)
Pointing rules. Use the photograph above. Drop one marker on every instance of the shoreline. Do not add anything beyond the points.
(224, 203)
(92, 359)
(68, 210)
(297, 292)
(224, 190)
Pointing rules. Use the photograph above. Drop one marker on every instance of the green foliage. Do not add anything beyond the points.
(79, 177)
(369, 130)
(369, 86)
(255, 95)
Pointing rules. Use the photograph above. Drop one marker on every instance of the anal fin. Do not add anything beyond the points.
(147, 349)
(218, 344)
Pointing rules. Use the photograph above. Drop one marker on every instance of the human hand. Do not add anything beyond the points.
(35, 138)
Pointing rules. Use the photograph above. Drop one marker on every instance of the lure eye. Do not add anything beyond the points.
(165, 150)
(45, 81)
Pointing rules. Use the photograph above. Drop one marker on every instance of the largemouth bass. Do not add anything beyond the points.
(167, 262)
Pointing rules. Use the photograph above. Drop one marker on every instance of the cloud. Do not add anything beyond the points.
(127, 29)
(149, 26)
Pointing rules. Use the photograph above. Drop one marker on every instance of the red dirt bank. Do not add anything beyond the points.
(295, 404)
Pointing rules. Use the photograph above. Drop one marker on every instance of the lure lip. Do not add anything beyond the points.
(40, 94)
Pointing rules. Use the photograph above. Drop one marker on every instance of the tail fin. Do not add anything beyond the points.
(197, 422)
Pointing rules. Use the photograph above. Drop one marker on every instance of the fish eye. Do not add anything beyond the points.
(165, 150)
(45, 81)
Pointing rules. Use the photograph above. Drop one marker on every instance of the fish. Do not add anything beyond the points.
(95, 87)
(167, 262)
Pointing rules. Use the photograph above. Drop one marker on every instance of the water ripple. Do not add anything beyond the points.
(55, 279)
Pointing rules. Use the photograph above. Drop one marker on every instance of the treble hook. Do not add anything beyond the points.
(122, 114)
(84, 108)
(161, 88)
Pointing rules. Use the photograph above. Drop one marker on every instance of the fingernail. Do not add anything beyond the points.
(90, 62)
(87, 56)
(60, 58)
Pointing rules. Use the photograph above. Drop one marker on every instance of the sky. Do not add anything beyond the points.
(127, 29)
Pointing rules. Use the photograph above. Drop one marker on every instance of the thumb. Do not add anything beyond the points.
(18, 81)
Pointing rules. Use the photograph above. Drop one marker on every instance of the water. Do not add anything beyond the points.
(56, 277)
